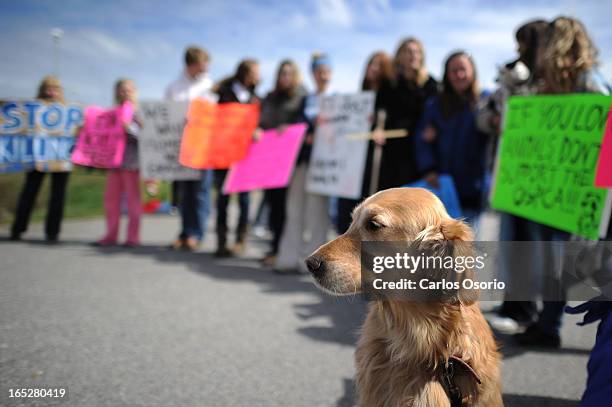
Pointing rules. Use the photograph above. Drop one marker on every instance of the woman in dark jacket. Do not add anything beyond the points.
(50, 90)
(378, 75)
(239, 88)
(404, 102)
(281, 107)
(448, 141)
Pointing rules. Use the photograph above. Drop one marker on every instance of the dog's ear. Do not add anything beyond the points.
(450, 238)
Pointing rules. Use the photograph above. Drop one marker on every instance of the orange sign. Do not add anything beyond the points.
(217, 135)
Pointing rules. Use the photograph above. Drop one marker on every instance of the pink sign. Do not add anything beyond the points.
(603, 177)
(101, 142)
(269, 162)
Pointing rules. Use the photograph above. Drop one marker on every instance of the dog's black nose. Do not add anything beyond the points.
(315, 265)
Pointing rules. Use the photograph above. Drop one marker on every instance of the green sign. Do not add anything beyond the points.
(547, 160)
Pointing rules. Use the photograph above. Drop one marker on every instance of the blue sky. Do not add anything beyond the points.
(145, 39)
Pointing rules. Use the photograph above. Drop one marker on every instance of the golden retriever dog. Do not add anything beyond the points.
(412, 353)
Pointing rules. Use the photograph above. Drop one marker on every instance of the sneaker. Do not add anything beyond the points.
(131, 245)
(238, 248)
(535, 337)
(104, 243)
(269, 260)
(191, 244)
(177, 245)
(15, 237)
(504, 325)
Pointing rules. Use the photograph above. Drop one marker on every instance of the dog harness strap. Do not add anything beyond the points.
(447, 379)
(467, 367)
(453, 391)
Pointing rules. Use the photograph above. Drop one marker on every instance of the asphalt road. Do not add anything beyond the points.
(150, 327)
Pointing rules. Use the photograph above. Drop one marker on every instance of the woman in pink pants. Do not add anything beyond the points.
(124, 180)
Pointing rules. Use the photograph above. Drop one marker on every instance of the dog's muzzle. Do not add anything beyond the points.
(316, 266)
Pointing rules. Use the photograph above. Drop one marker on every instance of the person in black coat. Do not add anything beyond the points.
(239, 88)
(50, 90)
(404, 103)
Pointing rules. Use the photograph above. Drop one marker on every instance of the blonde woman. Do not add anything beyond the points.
(404, 103)
(305, 211)
(49, 90)
(126, 179)
(283, 106)
(569, 62)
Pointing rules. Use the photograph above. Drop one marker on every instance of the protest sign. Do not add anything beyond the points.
(159, 141)
(35, 134)
(269, 162)
(604, 166)
(102, 140)
(337, 162)
(217, 135)
(546, 162)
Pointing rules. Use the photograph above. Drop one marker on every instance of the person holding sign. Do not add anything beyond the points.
(305, 210)
(49, 90)
(404, 102)
(281, 107)
(194, 200)
(124, 181)
(569, 66)
(239, 88)
(518, 77)
(378, 74)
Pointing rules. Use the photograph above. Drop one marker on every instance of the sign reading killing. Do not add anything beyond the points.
(37, 134)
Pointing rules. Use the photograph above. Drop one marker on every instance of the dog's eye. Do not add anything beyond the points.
(372, 225)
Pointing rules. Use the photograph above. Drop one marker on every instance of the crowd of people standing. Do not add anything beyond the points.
(453, 129)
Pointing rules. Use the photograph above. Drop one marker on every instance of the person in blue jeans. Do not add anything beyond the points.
(195, 208)
(194, 202)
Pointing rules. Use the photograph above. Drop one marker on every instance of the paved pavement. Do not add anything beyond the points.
(150, 327)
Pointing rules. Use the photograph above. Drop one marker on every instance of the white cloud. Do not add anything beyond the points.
(97, 42)
(334, 12)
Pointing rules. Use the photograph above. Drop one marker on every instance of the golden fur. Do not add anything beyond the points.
(402, 343)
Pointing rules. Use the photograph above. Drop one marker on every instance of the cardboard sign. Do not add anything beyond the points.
(269, 162)
(337, 162)
(159, 142)
(217, 135)
(35, 134)
(101, 143)
(545, 168)
(604, 166)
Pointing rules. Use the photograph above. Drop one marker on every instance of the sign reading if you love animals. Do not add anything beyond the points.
(547, 159)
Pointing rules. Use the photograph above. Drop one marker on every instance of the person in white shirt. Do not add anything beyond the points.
(305, 210)
(192, 83)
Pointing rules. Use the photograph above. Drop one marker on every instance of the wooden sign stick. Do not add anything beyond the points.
(381, 116)
(386, 133)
